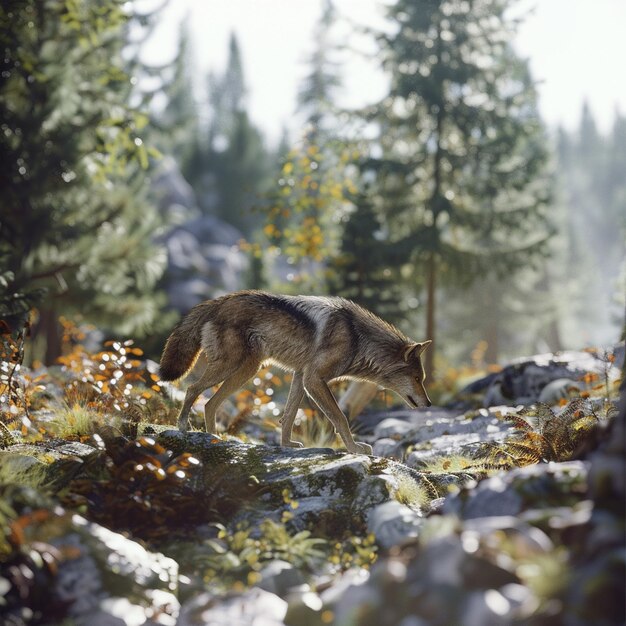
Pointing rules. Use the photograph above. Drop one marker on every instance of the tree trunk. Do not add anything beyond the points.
(553, 334)
(49, 329)
(492, 316)
(429, 355)
(493, 340)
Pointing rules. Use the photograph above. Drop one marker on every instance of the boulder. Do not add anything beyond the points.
(255, 606)
(531, 379)
(531, 487)
(51, 464)
(414, 436)
(318, 488)
(393, 523)
(66, 569)
(203, 258)
(113, 580)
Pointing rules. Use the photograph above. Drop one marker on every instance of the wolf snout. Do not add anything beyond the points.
(417, 405)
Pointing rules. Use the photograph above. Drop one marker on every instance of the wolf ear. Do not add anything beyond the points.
(415, 349)
(422, 346)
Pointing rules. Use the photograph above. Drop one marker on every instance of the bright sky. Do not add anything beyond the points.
(577, 50)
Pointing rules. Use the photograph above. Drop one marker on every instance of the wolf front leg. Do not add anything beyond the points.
(317, 388)
(296, 393)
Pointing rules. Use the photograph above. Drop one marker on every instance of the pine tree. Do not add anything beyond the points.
(318, 90)
(367, 268)
(231, 168)
(76, 230)
(591, 168)
(461, 147)
(178, 124)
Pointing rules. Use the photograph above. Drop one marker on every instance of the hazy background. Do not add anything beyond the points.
(169, 153)
(575, 47)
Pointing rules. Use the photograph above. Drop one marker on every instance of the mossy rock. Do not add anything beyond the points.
(51, 465)
(319, 489)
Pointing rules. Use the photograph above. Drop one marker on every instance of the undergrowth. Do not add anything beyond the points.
(235, 559)
(544, 434)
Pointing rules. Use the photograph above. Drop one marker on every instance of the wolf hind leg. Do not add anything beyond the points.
(234, 381)
(208, 379)
(294, 399)
(317, 388)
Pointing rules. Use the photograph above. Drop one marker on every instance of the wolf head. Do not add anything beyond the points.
(408, 379)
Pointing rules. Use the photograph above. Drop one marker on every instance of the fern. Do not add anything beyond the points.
(543, 435)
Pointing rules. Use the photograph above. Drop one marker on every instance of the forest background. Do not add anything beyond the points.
(131, 190)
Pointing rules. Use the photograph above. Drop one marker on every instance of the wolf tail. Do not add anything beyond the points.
(183, 345)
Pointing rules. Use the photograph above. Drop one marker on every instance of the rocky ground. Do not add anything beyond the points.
(479, 513)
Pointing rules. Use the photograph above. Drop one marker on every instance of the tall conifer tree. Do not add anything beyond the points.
(179, 124)
(76, 230)
(230, 168)
(460, 152)
(318, 90)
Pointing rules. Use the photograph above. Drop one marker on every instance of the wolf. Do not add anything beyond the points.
(319, 339)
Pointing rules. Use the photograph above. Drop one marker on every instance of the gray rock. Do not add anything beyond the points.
(203, 256)
(203, 259)
(174, 194)
(393, 523)
(113, 580)
(510, 493)
(415, 419)
(254, 607)
(392, 426)
(388, 448)
(524, 380)
(279, 577)
(486, 607)
(84, 572)
(454, 434)
(348, 593)
(494, 498)
(559, 389)
(316, 486)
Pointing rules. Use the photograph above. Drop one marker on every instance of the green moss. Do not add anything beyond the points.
(22, 469)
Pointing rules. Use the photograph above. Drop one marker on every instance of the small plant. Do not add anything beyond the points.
(235, 558)
(13, 396)
(314, 430)
(459, 465)
(355, 551)
(76, 421)
(545, 435)
(108, 378)
(239, 555)
(601, 385)
(410, 492)
(257, 401)
(28, 564)
(145, 490)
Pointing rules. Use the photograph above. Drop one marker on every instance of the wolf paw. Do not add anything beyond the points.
(362, 448)
(292, 444)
